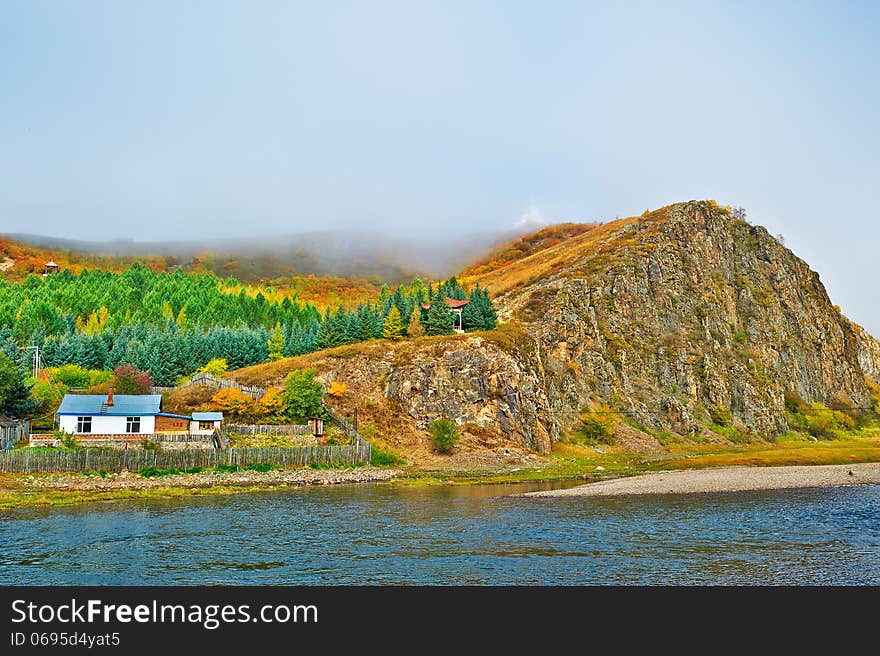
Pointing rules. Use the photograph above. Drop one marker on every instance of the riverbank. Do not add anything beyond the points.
(573, 462)
(725, 479)
(65, 489)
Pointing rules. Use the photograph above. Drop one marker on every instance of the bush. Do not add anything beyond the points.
(261, 466)
(226, 469)
(271, 406)
(330, 465)
(71, 375)
(303, 394)
(128, 379)
(444, 435)
(380, 458)
(721, 416)
(68, 440)
(824, 422)
(155, 472)
(235, 404)
(794, 403)
(216, 367)
(597, 426)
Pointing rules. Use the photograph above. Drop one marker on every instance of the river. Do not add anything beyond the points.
(386, 534)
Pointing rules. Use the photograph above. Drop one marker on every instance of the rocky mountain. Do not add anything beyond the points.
(674, 321)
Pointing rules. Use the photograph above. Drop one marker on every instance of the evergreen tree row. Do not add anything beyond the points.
(171, 324)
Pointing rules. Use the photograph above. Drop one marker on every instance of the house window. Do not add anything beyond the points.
(83, 424)
(206, 425)
(132, 424)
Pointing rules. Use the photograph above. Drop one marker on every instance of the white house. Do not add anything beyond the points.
(205, 423)
(123, 416)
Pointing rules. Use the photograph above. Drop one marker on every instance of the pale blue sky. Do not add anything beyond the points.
(176, 119)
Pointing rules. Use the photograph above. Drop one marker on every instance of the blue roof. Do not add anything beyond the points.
(208, 416)
(123, 404)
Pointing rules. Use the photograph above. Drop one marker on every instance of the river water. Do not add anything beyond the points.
(383, 534)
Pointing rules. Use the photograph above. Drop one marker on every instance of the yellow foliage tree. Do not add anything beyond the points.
(272, 405)
(415, 328)
(235, 404)
(337, 389)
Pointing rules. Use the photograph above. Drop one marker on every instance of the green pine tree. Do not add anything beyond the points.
(440, 318)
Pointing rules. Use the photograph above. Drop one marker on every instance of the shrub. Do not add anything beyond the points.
(215, 367)
(721, 416)
(68, 440)
(71, 375)
(235, 404)
(303, 394)
(261, 466)
(227, 469)
(597, 426)
(825, 422)
(444, 435)
(128, 379)
(271, 405)
(793, 402)
(155, 472)
(337, 389)
(381, 458)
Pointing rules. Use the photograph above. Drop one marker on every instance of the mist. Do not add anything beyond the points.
(432, 123)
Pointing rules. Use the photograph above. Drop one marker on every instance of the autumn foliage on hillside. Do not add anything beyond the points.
(17, 261)
(527, 245)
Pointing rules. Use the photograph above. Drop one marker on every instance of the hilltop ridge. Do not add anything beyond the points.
(686, 322)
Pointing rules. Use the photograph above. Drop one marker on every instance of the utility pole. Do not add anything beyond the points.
(37, 360)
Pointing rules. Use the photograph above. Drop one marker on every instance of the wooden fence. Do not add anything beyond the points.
(349, 429)
(268, 429)
(26, 461)
(216, 384)
(12, 431)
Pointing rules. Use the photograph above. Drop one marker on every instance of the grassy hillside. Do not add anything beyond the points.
(525, 246)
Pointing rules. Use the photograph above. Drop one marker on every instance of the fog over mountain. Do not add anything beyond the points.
(344, 253)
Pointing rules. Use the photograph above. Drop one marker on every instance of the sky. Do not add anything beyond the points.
(154, 120)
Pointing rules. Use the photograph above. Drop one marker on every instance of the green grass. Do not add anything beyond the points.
(261, 466)
(381, 458)
(154, 472)
(330, 465)
(730, 432)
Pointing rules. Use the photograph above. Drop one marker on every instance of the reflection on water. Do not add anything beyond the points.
(381, 534)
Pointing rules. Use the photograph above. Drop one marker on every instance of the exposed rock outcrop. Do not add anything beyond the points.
(667, 318)
(684, 310)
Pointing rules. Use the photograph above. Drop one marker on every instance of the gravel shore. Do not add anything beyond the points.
(276, 478)
(725, 479)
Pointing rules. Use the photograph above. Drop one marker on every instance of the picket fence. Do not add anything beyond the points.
(213, 382)
(27, 461)
(268, 429)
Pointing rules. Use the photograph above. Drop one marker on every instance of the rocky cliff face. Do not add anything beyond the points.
(666, 319)
(491, 386)
(868, 353)
(686, 310)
